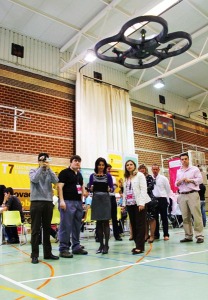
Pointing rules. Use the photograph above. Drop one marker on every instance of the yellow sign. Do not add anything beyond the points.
(116, 161)
(24, 196)
(16, 174)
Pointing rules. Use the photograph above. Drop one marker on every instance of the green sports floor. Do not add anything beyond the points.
(167, 270)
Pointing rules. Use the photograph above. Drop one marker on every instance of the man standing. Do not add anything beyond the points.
(161, 192)
(114, 209)
(71, 190)
(187, 180)
(41, 208)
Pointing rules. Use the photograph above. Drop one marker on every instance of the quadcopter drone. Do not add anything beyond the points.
(143, 52)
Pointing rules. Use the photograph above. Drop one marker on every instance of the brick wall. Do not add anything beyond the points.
(151, 149)
(48, 122)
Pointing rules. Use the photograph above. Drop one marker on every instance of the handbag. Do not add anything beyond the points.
(153, 203)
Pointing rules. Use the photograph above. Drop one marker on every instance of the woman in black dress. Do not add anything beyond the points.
(151, 206)
(101, 184)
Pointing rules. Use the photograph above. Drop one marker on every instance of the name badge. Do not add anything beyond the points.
(129, 197)
(79, 189)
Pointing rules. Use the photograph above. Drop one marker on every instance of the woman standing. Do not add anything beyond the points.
(101, 184)
(135, 198)
(151, 206)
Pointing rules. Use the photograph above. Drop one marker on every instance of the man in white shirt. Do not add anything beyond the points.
(161, 192)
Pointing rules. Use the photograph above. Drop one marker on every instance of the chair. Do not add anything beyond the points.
(89, 225)
(13, 219)
(56, 217)
(123, 222)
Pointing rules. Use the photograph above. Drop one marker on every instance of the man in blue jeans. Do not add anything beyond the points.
(71, 190)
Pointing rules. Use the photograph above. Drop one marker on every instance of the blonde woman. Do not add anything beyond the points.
(135, 199)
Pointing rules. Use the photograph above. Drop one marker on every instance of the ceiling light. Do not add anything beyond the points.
(159, 84)
(161, 7)
(90, 56)
(155, 11)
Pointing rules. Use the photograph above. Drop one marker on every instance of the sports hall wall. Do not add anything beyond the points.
(48, 122)
(150, 148)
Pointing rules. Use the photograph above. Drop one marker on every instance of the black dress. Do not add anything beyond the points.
(153, 204)
(101, 204)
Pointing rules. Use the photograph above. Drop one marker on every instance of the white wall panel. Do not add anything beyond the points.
(46, 59)
(38, 56)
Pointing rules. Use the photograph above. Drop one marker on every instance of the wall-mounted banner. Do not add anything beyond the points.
(16, 174)
(174, 164)
(115, 160)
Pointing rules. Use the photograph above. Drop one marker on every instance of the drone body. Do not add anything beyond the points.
(144, 52)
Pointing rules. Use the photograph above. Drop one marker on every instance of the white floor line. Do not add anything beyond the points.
(117, 267)
(35, 292)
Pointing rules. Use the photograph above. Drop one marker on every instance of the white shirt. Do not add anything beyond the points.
(139, 186)
(162, 187)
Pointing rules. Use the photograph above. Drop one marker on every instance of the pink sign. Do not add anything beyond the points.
(174, 164)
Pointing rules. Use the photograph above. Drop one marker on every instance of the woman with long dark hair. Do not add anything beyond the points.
(135, 198)
(152, 206)
(101, 184)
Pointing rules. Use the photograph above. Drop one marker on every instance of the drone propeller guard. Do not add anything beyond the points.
(144, 51)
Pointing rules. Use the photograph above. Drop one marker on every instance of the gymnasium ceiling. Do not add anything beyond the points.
(77, 25)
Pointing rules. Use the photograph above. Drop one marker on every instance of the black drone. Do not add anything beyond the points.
(144, 52)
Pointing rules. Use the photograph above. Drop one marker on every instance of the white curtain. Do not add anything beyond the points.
(103, 121)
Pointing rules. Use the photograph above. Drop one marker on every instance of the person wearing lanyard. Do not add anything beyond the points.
(161, 192)
(71, 191)
(188, 179)
(135, 198)
(101, 184)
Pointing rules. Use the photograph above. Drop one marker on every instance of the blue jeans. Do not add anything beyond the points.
(70, 225)
(203, 211)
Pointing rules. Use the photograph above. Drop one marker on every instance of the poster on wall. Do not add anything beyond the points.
(165, 125)
(16, 175)
(115, 160)
(173, 164)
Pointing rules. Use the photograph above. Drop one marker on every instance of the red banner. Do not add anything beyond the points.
(174, 164)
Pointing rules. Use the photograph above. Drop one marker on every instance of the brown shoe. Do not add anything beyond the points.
(200, 240)
(66, 254)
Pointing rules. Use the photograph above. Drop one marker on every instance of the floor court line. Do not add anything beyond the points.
(35, 292)
(116, 267)
(175, 269)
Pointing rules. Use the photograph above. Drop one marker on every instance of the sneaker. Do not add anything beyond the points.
(66, 254)
(34, 260)
(80, 251)
(200, 240)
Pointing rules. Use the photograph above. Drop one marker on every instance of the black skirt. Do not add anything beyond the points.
(101, 206)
